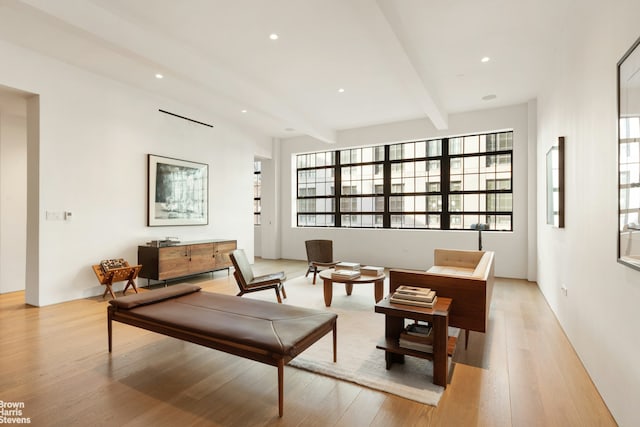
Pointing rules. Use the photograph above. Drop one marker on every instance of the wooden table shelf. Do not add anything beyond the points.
(438, 316)
(391, 345)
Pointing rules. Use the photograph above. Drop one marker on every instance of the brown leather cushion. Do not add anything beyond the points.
(157, 295)
(264, 325)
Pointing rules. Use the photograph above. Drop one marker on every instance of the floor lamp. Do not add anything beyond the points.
(479, 227)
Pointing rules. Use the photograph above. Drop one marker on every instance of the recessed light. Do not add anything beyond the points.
(489, 97)
(289, 129)
(341, 90)
(159, 76)
(485, 59)
(243, 111)
(273, 36)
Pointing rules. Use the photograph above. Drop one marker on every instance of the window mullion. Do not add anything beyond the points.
(386, 187)
(445, 180)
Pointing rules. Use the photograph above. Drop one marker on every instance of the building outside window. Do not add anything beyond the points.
(448, 183)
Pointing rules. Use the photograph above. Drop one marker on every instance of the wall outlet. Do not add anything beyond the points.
(563, 288)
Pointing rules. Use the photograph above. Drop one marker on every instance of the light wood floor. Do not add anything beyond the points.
(523, 372)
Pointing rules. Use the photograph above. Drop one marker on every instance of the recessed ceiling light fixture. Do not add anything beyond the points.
(159, 76)
(273, 36)
(489, 97)
(485, 59)
(289, 129)
(341, 90)
(243, 111)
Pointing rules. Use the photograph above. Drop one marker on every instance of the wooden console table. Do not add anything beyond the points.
(184, 258)
(443, 345)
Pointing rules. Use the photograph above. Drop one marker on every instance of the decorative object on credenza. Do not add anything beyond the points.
(178, 192)
(479, 227)
(555, 184)
(628, 160)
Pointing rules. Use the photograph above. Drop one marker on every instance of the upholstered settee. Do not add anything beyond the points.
(464, 276)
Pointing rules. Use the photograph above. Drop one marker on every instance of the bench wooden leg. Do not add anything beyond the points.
(280, 387)
(335, 342)
(109, 329)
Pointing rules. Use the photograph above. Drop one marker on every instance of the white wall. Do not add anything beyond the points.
(13, 196)
(94, 136)
(600, 311)
(410, 248)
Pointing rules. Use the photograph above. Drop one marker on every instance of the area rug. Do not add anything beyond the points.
(359, 330)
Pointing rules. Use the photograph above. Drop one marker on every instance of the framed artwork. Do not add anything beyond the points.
(178, 192)
(555, 184)
(628, 232)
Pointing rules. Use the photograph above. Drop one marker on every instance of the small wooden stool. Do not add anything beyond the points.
(127, 273)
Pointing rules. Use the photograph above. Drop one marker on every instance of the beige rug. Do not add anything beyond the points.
(359, 330)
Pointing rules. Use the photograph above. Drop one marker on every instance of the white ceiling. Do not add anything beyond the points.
(395, 59)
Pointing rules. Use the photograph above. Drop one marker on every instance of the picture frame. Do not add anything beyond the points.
(555, 184)
(177, 192)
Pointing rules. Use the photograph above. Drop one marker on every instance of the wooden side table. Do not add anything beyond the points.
(127, 273)
(438, 316)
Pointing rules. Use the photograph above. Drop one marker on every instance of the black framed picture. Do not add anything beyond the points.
(178, 192)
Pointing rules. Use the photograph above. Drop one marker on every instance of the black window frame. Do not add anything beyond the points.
(495, 154)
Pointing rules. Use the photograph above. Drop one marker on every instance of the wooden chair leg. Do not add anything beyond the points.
(284, 293)
(315, 271)
(278, 295)
(308, 271)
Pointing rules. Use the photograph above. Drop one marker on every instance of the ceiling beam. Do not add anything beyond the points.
(382, 31)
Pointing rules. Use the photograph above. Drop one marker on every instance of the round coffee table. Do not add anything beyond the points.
(325, 275)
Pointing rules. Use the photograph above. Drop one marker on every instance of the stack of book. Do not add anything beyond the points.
(348, 266)
(410, 295)
(345, 275)
(370, 270)
(417, 336)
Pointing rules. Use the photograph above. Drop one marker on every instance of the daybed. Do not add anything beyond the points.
(464, 276)
(259, 330)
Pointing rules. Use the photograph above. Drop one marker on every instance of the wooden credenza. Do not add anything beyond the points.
(184, 259)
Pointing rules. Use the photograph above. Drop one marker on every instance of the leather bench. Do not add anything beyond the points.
(258, 330)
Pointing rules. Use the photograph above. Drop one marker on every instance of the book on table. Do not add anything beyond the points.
(396, 300)
(418, 329)
(427, 297)
(370, 270)
(418, 337)
(348, 266)
(427, 348)
(413, 290)
(345, 274)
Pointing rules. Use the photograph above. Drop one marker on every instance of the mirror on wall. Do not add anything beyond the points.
(629, 157)
(555, 184)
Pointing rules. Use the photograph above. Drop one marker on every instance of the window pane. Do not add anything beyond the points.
(478, 188)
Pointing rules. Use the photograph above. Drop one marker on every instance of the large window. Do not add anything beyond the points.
(448, 183)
